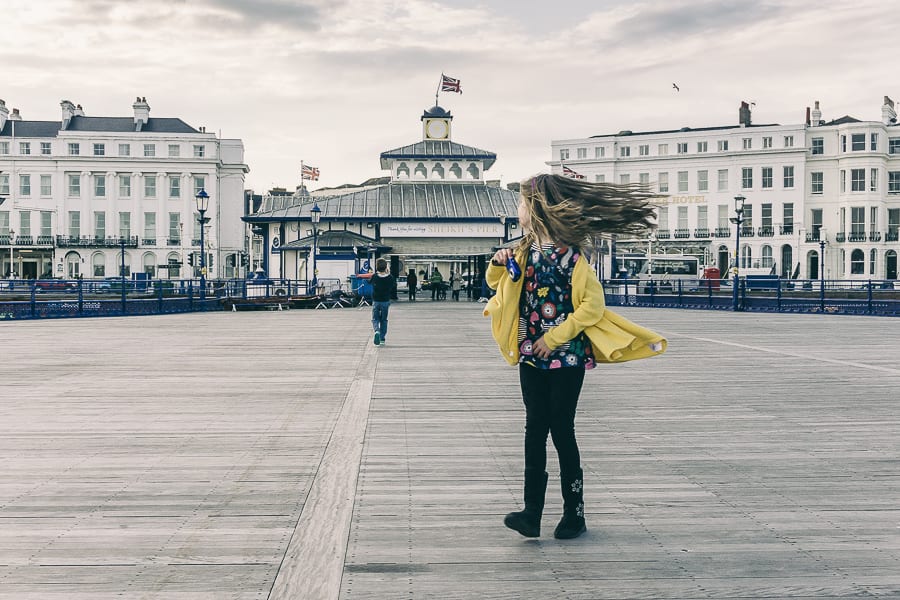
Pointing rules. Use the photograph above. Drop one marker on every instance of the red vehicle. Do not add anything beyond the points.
(54, 285)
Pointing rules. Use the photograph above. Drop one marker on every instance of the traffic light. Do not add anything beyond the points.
(191, 259)
(245, 259)
(209, 261)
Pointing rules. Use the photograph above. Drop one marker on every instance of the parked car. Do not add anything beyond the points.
(55, 285)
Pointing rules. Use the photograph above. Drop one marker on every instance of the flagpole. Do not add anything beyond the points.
(438, 90)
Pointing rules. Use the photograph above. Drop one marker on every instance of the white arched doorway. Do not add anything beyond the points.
(73, 265)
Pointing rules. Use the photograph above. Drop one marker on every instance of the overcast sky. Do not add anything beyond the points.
(336, 82)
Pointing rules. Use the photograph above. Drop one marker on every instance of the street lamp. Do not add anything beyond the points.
(12, 240)
(202, 205)
(315, 213)
(823, 240)
(738, 221)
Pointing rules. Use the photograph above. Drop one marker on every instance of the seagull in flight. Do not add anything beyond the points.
(677, 89)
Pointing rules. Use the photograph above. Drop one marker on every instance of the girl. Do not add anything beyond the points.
(553, 323)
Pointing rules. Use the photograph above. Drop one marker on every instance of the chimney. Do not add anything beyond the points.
(816, 115)
(79, 112)
(888, 114)
(141, 112)
(15, 116)
(68, 111)
(807, 116)
(4, 114)
(744, 115)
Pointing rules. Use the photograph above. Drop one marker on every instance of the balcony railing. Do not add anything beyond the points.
(892, 236)
(812, 236)
(87, 241)
(874, 236)
(45, 240)
(723, 232)
(840, 236)
(857, 236)
(787, 230)
(661, 234)
(701, 232)
(766, 232)
(24, 240)
(195, 242)
(148, 242)
(681, 234)
(174, 241)
(747, 231)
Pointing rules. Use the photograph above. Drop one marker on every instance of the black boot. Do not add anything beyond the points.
(528, 521)
(572, 523)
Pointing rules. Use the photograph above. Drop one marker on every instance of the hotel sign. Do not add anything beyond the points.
(442, 230)
(681, 200)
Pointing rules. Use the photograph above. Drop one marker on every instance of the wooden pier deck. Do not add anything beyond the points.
(280, 455)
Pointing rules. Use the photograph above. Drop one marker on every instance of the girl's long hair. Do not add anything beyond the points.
(573, 212)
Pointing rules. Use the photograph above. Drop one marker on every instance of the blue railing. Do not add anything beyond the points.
(760, 294)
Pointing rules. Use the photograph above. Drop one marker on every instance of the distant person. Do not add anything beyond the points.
(437, 281)
(454, 285)
(411, 282)
(383, 285)
(552, 321)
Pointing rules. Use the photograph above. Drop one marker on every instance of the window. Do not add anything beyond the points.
(788, 216)
(818, 146)
(873, 258)
(662, 150)
(644, 179)
(74, 149)
(843, 181)
(74, 224)
(893, 221)
(124, 149)
(174, 226)
(765, 217)
(99, 185)
(873, 142)
(100, 225)
(682, 181)
(125, 224)
(74, 185)
(747, 143)
(788, 141)
(25, 185)
(25, 223)
(767, 177)
(99, 149)
(857, 262)
(702, 147)
(624, 179)
(625, 151)
(99, 263)
(723, 180)
(702, 218)
(599, 152)
(857, 142)
(4, 184)
(663, 182)
(199, 151)
(24, 147)
(662, 218)
(747, 177)
(893, 182)
(767, 142)
(174, 150)
(748, 217)
(766, 257)
(857, 221)
(746, 257)
(682, 147)
(788, 179)
(702, 181)
(873, 180)
(150, 186)
(4, 147)
(45, 148)
(46, 185)
(893, 146)
(563, 154)
(46, 223)
(581, 152)
(873, 218)
(815, 217)
(682, 217)
(149, 150)
(125, 186)
(174, 186)
(857, 180)
(599, 178)
(150, 225)
(723, 145)
(644, 149)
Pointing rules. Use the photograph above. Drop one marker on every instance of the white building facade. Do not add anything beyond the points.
(74, 189)
(836, 182)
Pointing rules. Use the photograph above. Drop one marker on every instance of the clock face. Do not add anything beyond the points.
(437, 129)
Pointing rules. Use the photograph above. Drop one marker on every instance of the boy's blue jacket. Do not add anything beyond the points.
(613, 337)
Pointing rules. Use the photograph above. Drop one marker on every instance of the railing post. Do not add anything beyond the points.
(191, 295)
(159, 305)
(124, 294)
(822, 293)
(80, 296)
(33, 298)
(869, 307)
(680, 295)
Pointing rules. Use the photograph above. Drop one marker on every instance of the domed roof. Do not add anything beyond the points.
(436, 111)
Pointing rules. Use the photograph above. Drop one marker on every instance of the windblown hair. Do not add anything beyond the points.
(572, 212)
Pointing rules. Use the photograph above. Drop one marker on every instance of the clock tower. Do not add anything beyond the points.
(436, 124)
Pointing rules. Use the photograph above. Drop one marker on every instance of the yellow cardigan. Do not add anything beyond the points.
(613, 337)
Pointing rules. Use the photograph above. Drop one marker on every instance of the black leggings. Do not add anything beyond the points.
(551, 397)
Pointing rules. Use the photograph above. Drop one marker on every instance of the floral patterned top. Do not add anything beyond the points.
(546, 301)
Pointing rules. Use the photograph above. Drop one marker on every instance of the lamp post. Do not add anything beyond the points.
(823, 240)
(738, 220)
(12, 240)
(315, 213)
(202, 205)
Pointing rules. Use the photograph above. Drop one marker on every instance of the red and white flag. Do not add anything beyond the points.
(448, 84)
(308, 172)
(570, 173)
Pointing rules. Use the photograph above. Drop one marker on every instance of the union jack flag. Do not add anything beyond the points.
(570, 173)
(448, 84)
(308, 172)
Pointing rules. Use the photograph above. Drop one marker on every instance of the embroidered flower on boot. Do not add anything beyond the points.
(576, 486)
(580, 510)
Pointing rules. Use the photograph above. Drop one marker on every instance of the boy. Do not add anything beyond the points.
(382, 286)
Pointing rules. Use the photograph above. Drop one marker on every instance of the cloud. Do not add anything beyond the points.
(290, 14)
